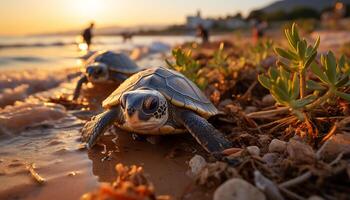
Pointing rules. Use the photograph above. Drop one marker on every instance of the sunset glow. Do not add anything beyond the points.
(50, 16)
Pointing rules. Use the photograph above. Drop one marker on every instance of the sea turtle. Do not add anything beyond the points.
(106, 66)
(158, 101)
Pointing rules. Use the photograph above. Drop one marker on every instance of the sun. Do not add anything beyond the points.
(88, 9)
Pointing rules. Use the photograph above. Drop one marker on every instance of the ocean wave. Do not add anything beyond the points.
(18, 85)
(47, 44)
(16, 118)
(23, 45)
(24, 58)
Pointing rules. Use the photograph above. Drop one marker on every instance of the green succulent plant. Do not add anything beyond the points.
(284, 87)
(298, 57)
(333, 76)
(189, 67)
(288, 83)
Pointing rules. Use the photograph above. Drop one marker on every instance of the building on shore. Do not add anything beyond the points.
(229, 22)
(194, 21)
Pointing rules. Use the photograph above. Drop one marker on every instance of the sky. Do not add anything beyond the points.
(22, 17)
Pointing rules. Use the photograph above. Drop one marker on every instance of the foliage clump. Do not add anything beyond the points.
(301, 82)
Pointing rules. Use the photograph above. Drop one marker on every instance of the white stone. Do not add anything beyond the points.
(238, 189)
(197, 163)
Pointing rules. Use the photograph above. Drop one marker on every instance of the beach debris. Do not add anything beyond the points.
(197, 163)
(267, 186)
(300, 153)
(237, 189)
(277, 146)
(253, 150)
(131, 184)
(31, 168)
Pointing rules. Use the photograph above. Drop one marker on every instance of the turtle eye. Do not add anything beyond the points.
(150, 105)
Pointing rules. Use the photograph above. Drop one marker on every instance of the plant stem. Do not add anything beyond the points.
(267, 113)
(302, 84)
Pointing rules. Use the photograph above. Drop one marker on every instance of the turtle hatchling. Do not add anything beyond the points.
(106, 66)
(158, 101)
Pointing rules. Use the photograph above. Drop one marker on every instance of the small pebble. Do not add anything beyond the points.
(197, 163)
(253, 150)
(315, 198)
(270, 158)
(250, 109)
(337, 143)
(237, 189)
(300, 153)
(277, 145)
(268, 100)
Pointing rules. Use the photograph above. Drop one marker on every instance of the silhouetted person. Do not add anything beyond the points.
(87, 35)
(203, 33)
(259, 30)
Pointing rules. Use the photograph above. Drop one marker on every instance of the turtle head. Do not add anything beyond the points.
(97, 72)
(144, 109)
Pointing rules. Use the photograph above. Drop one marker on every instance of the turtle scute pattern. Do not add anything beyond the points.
(174, 86)
(115, 61)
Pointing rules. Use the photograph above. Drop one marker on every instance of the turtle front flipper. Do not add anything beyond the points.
(99, 124)
(81, 81)
(206, 135)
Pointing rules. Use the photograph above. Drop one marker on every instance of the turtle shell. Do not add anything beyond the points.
(118, 62)
(179, 90)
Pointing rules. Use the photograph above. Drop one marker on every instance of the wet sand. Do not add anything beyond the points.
(61, 156)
